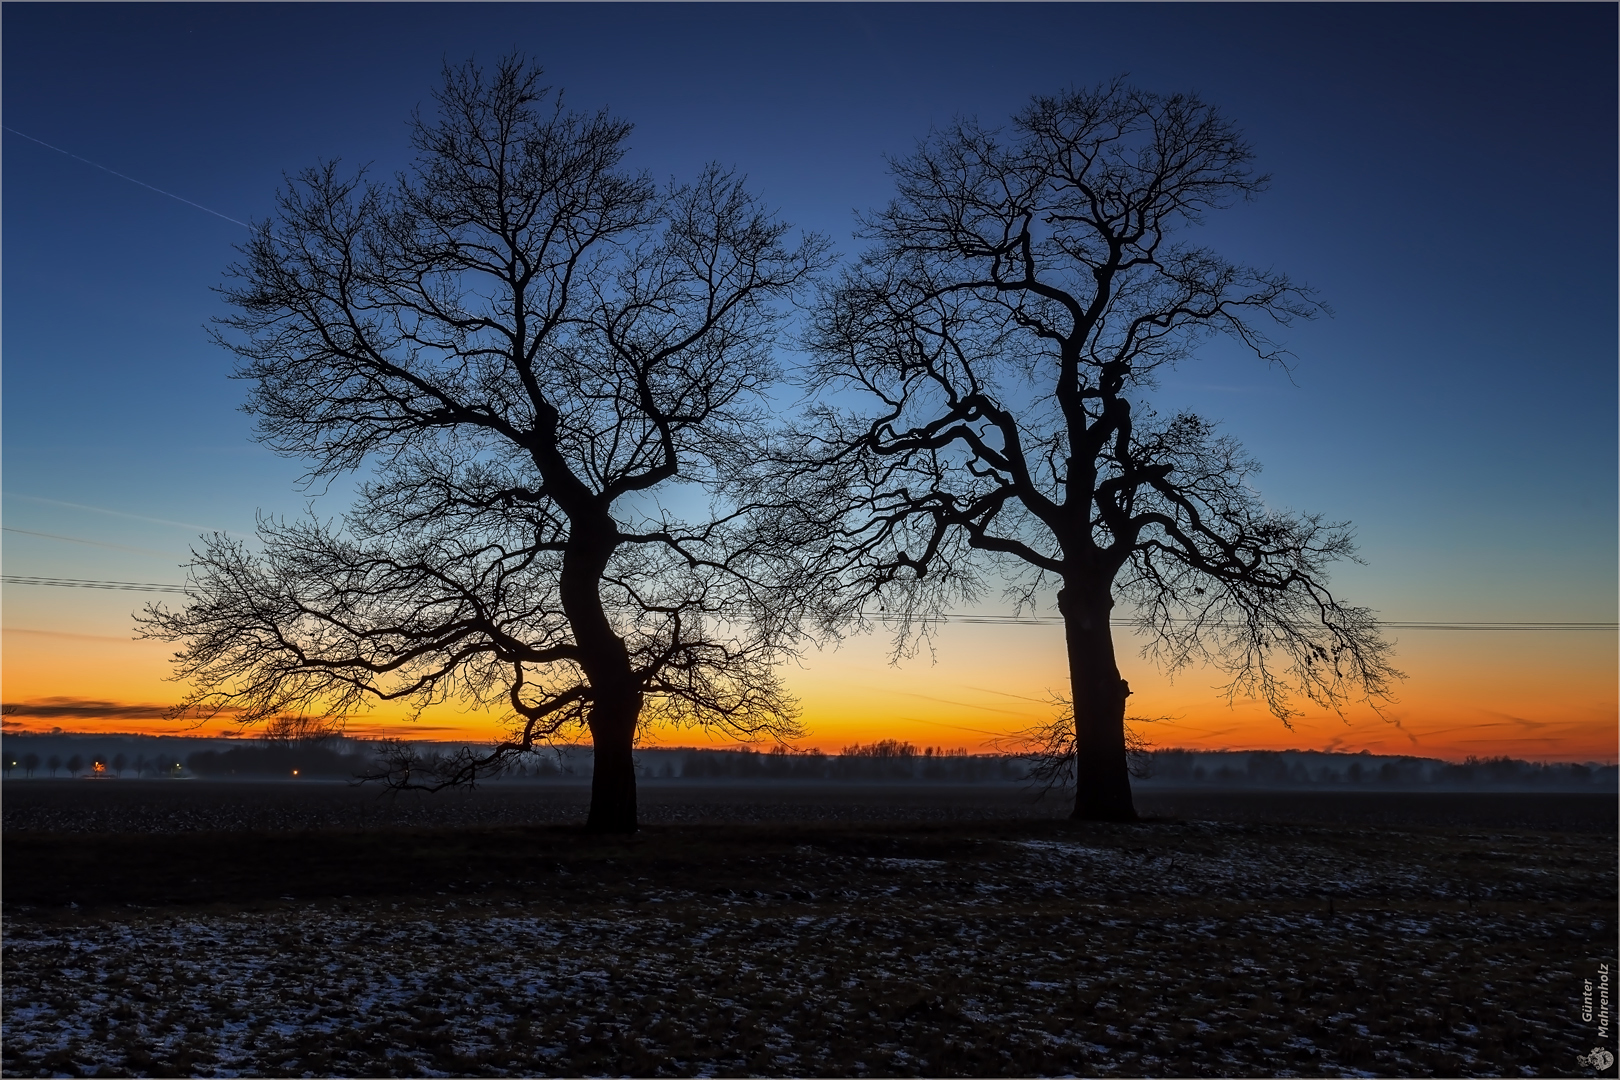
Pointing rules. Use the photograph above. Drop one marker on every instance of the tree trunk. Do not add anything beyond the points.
(616, 696)
(613, 773)
(1102, 789)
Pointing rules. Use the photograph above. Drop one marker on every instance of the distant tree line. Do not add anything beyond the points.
(1301, 769)
(32, 763)
(894, 748)
(279, 759)
(887, 760)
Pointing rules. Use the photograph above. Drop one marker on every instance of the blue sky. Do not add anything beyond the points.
(1444, 175)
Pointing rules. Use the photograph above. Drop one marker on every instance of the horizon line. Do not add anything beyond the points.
(1610, 762)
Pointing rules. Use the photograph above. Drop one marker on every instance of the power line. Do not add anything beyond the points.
(131, 179)
(1393, 624)
(85, 583)
(990, 620)
(92, 543)
(1501, 625)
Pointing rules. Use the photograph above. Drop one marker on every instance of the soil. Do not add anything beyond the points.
(166, 928)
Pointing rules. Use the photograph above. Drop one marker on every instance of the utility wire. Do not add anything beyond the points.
(83, 583)
(1394, 624)
(878, 616)
(131, 179)
(92, 543)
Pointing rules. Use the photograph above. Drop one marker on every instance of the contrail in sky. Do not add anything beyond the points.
(131, 179)
(115, 513)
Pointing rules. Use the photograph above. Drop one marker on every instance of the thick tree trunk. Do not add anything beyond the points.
(1102, 778)
(615, 693)
(613, 774)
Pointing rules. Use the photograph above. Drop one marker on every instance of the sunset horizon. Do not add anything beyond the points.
(810, 539)
(851, 695)
(126, 446)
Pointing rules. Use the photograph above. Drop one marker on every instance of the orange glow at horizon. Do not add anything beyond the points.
(1548, 696)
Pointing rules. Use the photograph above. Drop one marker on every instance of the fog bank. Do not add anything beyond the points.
(143, 757)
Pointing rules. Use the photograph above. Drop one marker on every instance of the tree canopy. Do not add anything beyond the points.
(986, 373)
(547, 363)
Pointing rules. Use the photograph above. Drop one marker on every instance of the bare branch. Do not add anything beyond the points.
(525, 343)
(1003, 334)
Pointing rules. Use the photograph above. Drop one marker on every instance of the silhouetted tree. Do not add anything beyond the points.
(9, 764)
(551, 363)
(1052, 750)
(286, 731)
(53, 763)
(1020, 295)
(120, 762)
(883, 748)
(74, 764)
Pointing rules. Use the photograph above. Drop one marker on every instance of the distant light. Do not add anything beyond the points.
(295, 772)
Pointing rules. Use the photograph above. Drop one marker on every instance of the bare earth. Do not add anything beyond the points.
(175, 928)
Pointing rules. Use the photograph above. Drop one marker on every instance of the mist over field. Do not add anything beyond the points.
(132, 757)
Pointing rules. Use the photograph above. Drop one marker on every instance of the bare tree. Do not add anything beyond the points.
(1006, 326)
(287, 731)
(1052, 750)
(549, 361)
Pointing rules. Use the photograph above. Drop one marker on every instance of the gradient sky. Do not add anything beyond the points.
(1443, 175)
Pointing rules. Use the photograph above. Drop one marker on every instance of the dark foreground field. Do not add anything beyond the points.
(189, 928)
